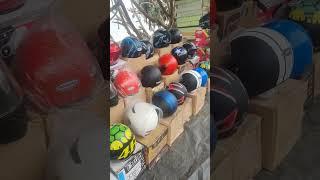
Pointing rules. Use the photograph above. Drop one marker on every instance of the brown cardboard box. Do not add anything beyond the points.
(151, 91)
(198, 98)
(154, 60)
(282, 114)
(243, 147)
(176, 45)
(117, 112)
(163, 51)
(187, 109)
(141, 97)
(182, 68)
(136, 64)
(154, 142)
(175, 125)
(170, 78)
(26, 158)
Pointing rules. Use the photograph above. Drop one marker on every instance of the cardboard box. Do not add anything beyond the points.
(151, 91)
(187, 109)
(136, 64)
(26, 158)
(198, 98)
(130, 168)
(174, 124)
(154, 142)
(154, 60)
(181, 68)
(170, 78)
(140, 97)
(117, 112)
(163, 51)
(243, 147)
(176, 45)
(282, 113)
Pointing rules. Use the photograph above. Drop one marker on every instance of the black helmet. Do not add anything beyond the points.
(191, 48)
(161, 38)
(176, 35)
(131, 47)
(150, 76)
(181, 54)
(147, 49)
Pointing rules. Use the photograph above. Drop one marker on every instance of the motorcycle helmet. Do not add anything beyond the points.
(143, 118)
(7, 6)
(122, 142)
(147, 49)
(127, 83)
(204, 76)
(161, 38)
(13, 116)
(191, 80)
(181, 54)
(175, 35)
(168, 64)
(114, 99)
(191, 49)
(131, 47)
(55, 68)
(204, 21)
(178, 90)
(115, 52)
(150, 76)
(166, 101)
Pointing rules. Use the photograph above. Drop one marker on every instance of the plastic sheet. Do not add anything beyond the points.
(188, 157)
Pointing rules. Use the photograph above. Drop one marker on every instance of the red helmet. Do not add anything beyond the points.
(168, 64)
(7, 6)
(127, 83)
(55, 68)
(115, 52)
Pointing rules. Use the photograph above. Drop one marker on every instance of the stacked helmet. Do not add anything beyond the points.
(115, 52)
(131, 47)
(147, 49)
(13, 118)
(7, 6)
(191, 80)
(231, 101)
(122, 142)
(113, 95)
(150, 76)
(127, 83)
(178, 90)
(181, 54)
(204, 76)
(55, 68)
(175, 35)
(191, 49)
(168, 64)
(143, 118)
(166, 101)
(161, 38)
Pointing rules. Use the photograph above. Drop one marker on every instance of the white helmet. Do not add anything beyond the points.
(143, 118)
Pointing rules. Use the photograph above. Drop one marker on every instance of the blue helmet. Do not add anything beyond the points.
(204, 76)
(161, 38)
(147, 49)
(166, 101)
(131, 47)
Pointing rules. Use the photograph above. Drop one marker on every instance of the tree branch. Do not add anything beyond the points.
(162, 8)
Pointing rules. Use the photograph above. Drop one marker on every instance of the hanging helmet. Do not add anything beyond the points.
(168, 64)
(143, 118)
(181, 54)
(191, 48)
(113, 95)
(7, 6)
(115, 52)
(55, 68)
(161, 38)
(175, 35)
(147, 49)
(178, 90)
(191, 80)
(131, 47)
(13, 118)
(127, 83)
(204, 76)
(122, 141)
(150, 76)
(166, 101)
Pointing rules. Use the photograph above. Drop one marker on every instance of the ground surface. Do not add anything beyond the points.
(303, 162)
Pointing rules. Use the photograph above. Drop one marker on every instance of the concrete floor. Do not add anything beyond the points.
(303, 162)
